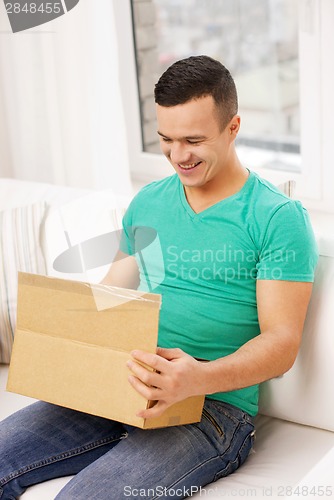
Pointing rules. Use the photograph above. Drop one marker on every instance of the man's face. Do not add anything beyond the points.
(193, 142)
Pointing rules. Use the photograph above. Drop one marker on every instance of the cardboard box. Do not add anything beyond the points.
(72, 342)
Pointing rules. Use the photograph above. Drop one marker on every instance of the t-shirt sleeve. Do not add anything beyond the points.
(289, 250)
(127, 244)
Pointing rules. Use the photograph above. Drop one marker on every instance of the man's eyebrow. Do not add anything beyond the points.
(195, 137)
(188, 138)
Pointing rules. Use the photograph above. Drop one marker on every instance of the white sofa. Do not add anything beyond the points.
(293, 455)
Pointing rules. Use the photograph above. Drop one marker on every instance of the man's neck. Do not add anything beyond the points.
(203, 197)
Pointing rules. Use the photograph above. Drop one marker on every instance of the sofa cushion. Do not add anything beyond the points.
(305, 393)
(20, 251)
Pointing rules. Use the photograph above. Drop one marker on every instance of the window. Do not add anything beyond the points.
(257, 40)
(279, 54)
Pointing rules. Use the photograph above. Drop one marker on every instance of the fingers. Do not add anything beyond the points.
(159, 377)
(147, 377)
(154, 361)
(157, 361)
(149, 393)
(170, 353)
(156, 410)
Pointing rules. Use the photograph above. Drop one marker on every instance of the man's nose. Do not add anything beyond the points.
(179, 153)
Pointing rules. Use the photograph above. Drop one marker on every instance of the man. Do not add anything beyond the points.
(238, 265)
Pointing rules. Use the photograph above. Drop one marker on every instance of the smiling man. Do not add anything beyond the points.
(237, 259)
(215, 308)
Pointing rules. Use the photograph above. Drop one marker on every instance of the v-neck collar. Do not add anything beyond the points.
(199, 215)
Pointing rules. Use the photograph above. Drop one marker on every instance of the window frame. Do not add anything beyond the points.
(314, 186)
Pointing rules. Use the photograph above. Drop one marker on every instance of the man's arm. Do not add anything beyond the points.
(123, 272)
(282, 307)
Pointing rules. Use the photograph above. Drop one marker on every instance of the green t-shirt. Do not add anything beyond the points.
(206, 265)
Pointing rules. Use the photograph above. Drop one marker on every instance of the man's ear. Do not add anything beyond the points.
(234, 125)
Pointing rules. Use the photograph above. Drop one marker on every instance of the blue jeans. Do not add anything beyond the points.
(112, 460)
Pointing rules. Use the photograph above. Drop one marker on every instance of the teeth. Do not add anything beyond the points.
(191, 165)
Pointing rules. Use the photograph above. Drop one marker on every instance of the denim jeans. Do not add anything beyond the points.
(113, 461)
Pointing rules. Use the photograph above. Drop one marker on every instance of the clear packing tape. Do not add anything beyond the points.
(107, 296)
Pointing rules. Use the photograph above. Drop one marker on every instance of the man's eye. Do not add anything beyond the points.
(165, 139)
(193, 142)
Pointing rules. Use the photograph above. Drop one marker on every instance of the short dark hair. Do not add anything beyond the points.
(195, 77)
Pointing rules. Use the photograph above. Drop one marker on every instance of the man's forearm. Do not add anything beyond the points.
(177, 375)
(123, 272)
(262, 358)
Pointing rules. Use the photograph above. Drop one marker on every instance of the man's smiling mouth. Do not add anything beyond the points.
(190, 166)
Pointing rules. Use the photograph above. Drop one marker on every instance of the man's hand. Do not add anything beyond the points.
(175, 376)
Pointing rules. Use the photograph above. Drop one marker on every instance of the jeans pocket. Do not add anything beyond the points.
(210, 418)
